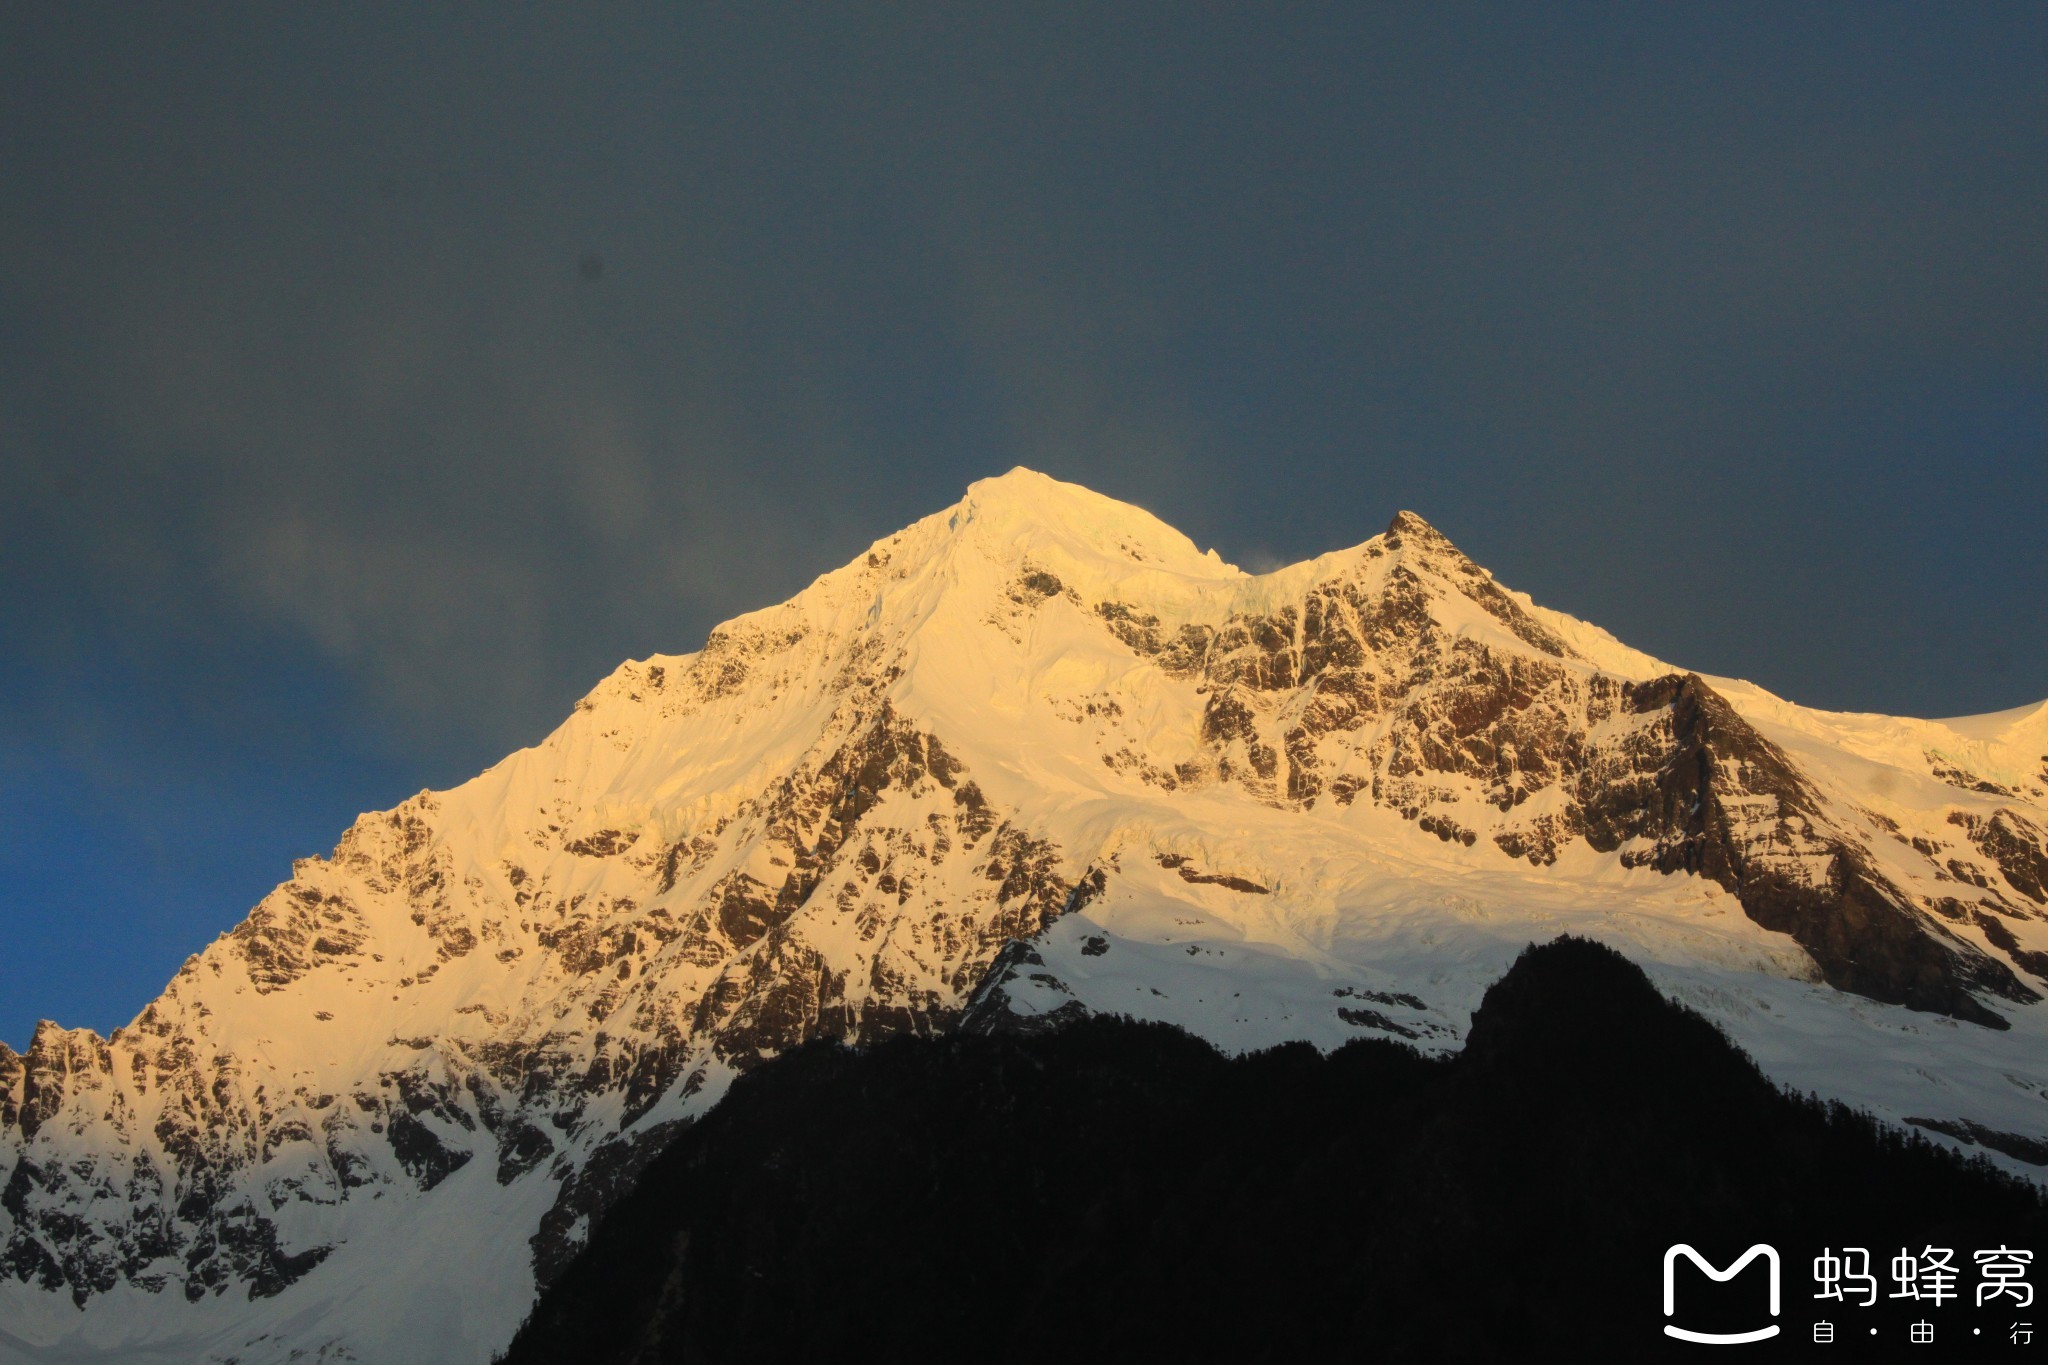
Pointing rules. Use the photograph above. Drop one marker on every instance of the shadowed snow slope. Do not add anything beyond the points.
(1033, 757)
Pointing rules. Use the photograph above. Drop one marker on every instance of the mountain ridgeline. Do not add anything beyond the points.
(1032, 760)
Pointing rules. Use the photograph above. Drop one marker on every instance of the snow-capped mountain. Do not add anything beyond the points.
(1033, 756)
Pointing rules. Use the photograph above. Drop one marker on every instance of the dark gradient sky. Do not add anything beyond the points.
(373, 380)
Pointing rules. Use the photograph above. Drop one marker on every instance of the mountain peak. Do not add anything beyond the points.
(1017, 481)
(1032, 757)
(1027, 494)
(1032, 512)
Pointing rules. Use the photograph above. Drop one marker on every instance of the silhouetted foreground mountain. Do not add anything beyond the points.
(1113, 1190)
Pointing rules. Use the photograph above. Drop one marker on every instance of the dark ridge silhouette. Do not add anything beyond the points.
(1121, 1191)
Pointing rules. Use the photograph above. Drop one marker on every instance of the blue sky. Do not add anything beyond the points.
(372, 380)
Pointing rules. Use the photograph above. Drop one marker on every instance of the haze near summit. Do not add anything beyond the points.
(374, 381)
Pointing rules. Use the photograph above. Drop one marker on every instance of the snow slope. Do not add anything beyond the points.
(1033, 755)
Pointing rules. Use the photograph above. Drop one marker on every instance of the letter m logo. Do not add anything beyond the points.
(1671, 1256)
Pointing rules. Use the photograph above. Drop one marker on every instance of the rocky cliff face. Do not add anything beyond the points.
(1038, 730)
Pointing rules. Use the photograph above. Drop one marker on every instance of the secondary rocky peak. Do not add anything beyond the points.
(1409, 523)
(1409, 533)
